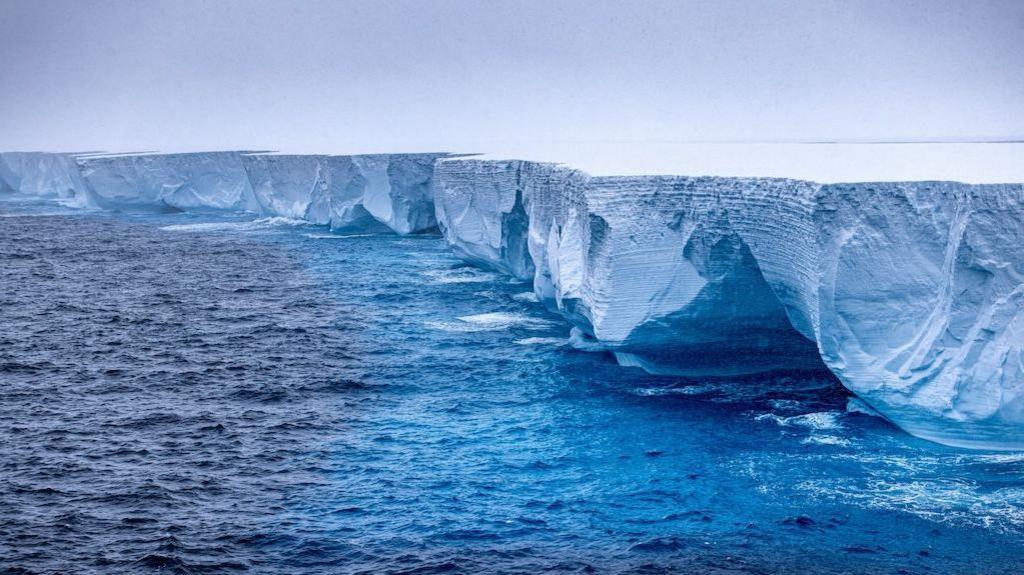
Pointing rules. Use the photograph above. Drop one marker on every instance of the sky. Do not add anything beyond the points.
(402, 75)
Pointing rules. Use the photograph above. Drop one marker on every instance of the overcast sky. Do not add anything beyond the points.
(431, 74)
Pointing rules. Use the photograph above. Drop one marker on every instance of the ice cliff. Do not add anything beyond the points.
(345, 192)
(366, 192)
(912, 294)
(202, 180)
(45, 175)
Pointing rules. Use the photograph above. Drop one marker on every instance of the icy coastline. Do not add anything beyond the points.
(911, 293)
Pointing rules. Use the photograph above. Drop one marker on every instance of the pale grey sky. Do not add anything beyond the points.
(432, 74)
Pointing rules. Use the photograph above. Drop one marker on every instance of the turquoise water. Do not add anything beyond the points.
(184, 393)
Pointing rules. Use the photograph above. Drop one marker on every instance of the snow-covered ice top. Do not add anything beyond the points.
(975, 163)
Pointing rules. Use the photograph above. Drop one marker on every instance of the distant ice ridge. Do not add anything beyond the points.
(376, 192)
(44, 175)
(911, 293)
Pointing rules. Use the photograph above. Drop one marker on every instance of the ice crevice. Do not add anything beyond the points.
(911, 293)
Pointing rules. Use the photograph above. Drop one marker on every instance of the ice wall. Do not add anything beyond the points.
(389, 191)
(44, 175)
(911, 293)
(200, 180)
(366, 192)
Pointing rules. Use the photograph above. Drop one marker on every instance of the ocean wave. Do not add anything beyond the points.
(461, 275)
(818, 421)
(556, 341)
(262, 223)
(491, 321)
(328, 236)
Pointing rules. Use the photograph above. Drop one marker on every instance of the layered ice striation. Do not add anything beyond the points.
(386, 191)
(911, 293)
(44, 175)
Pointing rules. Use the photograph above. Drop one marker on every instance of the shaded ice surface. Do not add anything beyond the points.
(368, 192)
(215, 393)
(201, 180)
(347, 192)
(43, 175)
(909, 292)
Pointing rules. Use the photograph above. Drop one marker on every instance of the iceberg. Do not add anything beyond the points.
(910, 293)
(197, 180)
(385, 191)
(44, 175)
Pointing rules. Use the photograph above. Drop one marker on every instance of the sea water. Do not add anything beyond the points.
(183, 393)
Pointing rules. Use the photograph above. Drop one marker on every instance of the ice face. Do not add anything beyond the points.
(285, 185)
(921, 304)
(43, 175)
(385, 191)
(398, 190)
(481, 213)
(910, 293)
(211, 180)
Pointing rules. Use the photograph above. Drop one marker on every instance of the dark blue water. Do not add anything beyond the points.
(182, 394)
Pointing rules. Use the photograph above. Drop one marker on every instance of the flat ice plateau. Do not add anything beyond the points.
(910, 290)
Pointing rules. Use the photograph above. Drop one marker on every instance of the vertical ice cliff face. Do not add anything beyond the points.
(284, 185)
(211, 180)
(365, 192)
(921, 304)
(43, 175)
(672, 285)
(912, 294)
(385, 191)
(479, 209)
(399, 190)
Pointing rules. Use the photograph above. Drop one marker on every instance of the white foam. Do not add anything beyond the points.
(526, 296)
(262, 223)
(208, 227)
(784, 404)
(502, 319)
(817, 421)
(492, 321)
(281, 221)
(337, 236)
(815, 439)
(556, 341)
(460, 276)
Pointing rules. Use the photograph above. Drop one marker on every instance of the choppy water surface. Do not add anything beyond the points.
(198, 395)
